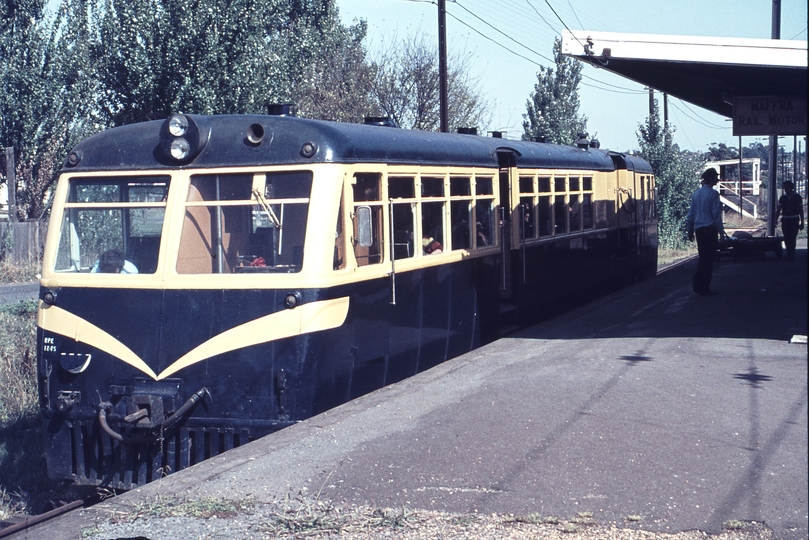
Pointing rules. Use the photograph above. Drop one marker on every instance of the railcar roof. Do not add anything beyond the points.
(136, 147)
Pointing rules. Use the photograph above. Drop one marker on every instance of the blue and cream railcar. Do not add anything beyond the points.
(208, 280)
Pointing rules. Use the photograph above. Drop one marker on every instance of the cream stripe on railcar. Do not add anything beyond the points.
(305, 319)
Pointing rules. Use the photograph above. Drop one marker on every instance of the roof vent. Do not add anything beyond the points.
(468, 130)
(385, 121)
(584, 141)
(281, 109)
(496, 134)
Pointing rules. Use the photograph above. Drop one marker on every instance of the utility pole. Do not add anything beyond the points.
(442, 66)
(739, 185)
(772, 188)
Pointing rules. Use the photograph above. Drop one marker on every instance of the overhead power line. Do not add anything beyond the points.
(613, 88)
(696, 117)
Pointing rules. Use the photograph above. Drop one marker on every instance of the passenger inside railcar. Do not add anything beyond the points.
(113, 262)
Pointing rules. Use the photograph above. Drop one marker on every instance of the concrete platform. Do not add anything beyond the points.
(688, 411)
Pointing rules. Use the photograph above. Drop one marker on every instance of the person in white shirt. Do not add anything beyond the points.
(113, 262)
(704, 223)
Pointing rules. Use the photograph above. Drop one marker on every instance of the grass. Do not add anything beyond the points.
(572, 525)
(665, 257)
(299, 516)
(18, 391)
(18, 273)
(201, 509)
(24, 485)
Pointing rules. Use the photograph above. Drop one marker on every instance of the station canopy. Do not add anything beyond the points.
(709, 72)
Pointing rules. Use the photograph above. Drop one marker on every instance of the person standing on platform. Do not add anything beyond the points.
(704, 223)
(790, 208)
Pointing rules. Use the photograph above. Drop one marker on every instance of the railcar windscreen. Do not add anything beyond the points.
(245, 223)
(112, 225)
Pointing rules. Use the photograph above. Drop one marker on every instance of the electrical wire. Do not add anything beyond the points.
(682, 131)
(501, 32)
(515, 53)
(618, 89)
(697, 118)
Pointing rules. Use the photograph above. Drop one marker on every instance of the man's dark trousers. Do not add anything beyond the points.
(707, 245)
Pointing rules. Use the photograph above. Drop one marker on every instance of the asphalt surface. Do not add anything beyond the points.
(688, 411)
(14, 292)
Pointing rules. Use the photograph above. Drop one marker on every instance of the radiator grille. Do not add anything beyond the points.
(99, 460)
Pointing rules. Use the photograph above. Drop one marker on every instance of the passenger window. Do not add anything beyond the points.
(432, 227)
(367, 193)
(432, 187)
(526, 184)
(339, 261)
(559, 214)
(401, 188)
(587, 211)
(483, 186)
(402, 193)
(528, 215)
(574, 210)
(245, 223)
(545, 216)
(461, 223)
(484, 223)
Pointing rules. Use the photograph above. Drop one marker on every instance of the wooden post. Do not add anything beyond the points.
(11, 184)
(772, 188)
(443, 107)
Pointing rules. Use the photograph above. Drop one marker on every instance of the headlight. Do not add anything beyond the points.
(178, 124)
(183, 137)
(179, 149)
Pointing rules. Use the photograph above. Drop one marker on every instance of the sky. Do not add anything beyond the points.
(509, 39)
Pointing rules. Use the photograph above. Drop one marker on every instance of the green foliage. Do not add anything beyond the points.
(158, 57)
(553, 108)
(721, 151)
(45, 81)
(677, 176)
(336, 84)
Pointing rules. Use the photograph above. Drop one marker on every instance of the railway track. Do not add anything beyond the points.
(29, 522)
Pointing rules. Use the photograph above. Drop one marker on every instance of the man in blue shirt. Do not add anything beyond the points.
(704, 222)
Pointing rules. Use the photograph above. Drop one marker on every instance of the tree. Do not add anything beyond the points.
(45, 81)
(158, 57)
(722, 152)
(406, 87)
(336, 85)
(676, 174)
(552, 111)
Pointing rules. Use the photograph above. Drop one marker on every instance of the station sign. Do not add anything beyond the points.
(771, 115)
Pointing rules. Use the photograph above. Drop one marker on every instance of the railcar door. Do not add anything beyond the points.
(507, 166)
